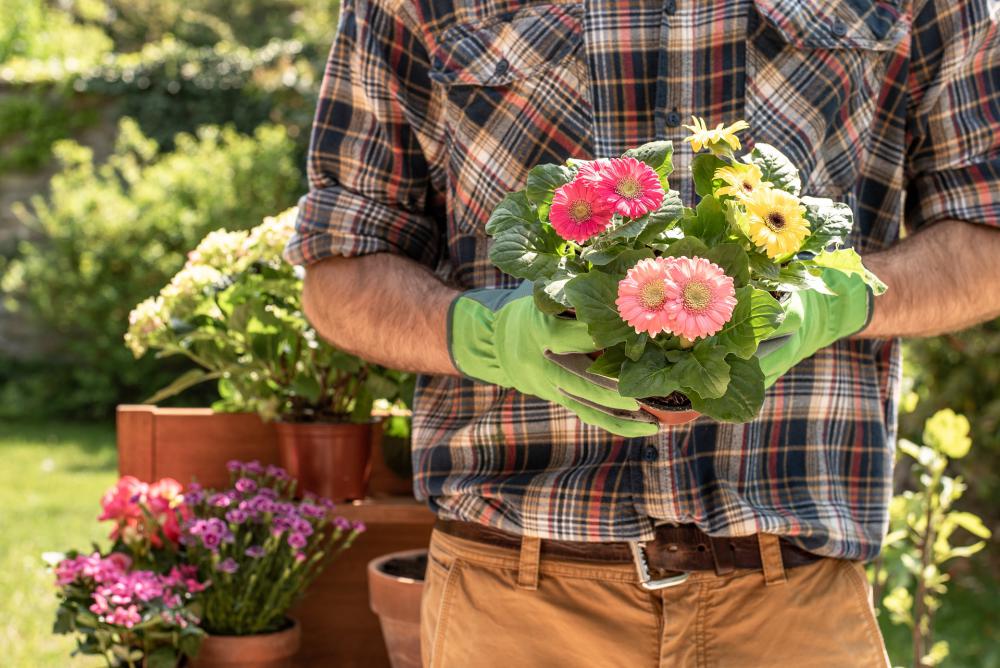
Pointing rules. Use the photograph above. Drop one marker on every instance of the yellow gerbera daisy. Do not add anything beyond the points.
(743, 180)
(701, 137)
(777, 221)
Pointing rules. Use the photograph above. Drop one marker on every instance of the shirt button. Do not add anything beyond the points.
(839, 28)
(670, 7)
(502, 66)
(673, 119)
(650, 453)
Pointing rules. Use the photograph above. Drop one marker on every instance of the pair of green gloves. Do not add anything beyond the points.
(499, 337)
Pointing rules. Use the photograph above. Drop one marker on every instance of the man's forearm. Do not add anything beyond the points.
(384, 308)
(942, 279)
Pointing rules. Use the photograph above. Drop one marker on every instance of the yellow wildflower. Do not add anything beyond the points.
(742, 180)
(777, 222)
(701, 137)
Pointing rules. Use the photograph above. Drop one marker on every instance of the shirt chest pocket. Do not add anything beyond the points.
(815, 71)
(516, 93)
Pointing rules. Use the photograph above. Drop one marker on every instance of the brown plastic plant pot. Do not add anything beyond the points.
(331, 459)
(261, 650)
(395, 585)
(671, 411)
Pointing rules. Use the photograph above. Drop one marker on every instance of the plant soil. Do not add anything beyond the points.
(675, 401)
(409, 567)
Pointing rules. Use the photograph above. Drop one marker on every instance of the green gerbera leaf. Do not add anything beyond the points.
(593, 296)
(743, 397)
(663, 219)
(687, 247)
(709, 222)
(756, 316)
(550, 295)
(776, 168)
(847, 261)
(733, 260)
(703, 172)
(513, 211)
(798, 275)
(609, 364)
(649, 376)
(526, 253)
(703, 369)
(830, 224)
(602, 253)
(542, 183)
(626, 260)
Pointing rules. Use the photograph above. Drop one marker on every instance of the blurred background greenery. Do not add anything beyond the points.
(129, 129)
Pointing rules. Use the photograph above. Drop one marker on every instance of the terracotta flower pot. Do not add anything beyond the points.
(332, 459)
(262, 650)
(395, 584)
(668, 411)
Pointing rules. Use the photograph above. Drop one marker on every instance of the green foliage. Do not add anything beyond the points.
(33, 30)
(109, 235)
(170, 87)
(923, 522)
(32, 120)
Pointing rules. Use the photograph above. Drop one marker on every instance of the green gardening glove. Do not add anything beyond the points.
(500, 337)
(814, 320)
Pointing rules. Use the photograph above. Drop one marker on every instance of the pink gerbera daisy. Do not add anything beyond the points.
(699, 297)
(630, 186)
(642, 296)
(578, 212)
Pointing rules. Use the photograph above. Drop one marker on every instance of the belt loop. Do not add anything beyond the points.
(527, 567)
(770, 559)
(722, 555)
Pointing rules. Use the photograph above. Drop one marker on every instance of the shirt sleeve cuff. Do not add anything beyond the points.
(335, 221)
(970, 194)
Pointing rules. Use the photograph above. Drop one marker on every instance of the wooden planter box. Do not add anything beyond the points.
(338, 628)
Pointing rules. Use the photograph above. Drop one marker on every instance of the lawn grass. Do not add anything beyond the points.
(51, 480)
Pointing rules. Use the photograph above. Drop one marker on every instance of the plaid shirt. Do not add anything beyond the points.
(431, 110)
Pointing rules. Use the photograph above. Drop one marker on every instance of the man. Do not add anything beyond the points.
(569, 532)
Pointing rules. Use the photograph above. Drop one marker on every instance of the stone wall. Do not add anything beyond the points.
(17, 337)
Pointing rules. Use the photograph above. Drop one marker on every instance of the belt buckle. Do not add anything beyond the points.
(645, 577)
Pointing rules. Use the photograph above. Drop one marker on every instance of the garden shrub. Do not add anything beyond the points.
(107, 236)
(170, 87)
(31, 120)
(34, 30)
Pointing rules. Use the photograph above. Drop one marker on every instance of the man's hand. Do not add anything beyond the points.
(500, 337)
(814, 320)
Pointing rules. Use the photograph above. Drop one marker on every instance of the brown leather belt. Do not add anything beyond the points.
(675, 548)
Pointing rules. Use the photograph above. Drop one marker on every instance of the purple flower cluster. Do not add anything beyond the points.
(212, 533)
(257, 514)
(122, 597)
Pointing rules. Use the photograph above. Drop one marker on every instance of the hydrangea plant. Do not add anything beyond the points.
(235, 309)
(677, 298)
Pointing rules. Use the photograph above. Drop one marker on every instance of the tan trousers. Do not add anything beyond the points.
(486, 606)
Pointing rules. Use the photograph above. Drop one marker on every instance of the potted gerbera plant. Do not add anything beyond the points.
(261, 549)
(678, 299)
(235, 310)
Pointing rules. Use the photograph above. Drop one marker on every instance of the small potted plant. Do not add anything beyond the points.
(136, 604)
(235, 310)
(261, 549)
